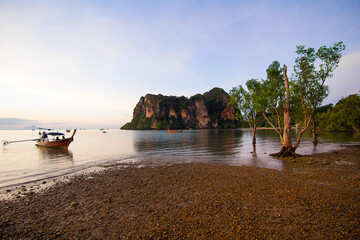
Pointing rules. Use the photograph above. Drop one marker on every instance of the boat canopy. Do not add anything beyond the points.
(55, 134)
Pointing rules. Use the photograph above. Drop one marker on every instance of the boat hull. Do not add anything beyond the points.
(175, 131)
(63, 143)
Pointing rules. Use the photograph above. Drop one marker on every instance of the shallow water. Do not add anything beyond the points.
(22, 163)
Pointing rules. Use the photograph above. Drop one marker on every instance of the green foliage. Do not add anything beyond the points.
(228, 124)
(330, 58)
(140, 122)
(216, 100)
(309, 82)
(197, 97)
(307, 90)
(248, 102)
(127, 126)
(308, 85)
(168, 111)
(238, 99)
(273, 96)
(273, 89)
(345, 116)
(324, 109)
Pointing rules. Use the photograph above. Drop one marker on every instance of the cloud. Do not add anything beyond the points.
(87, 62)
(346, 79)
(16, 123)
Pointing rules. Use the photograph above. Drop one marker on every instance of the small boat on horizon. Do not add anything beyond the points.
(175, 131)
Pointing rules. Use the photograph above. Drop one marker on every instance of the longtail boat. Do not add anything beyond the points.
(57, 140)
(175, 131)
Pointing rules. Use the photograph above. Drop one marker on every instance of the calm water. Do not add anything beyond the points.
(24, 162)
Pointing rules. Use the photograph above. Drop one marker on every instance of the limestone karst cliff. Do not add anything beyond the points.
(202, 111)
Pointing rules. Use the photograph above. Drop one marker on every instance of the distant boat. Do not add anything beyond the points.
(175, 131)
(57, 140)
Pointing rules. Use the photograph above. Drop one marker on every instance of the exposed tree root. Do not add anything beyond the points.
(286, 152)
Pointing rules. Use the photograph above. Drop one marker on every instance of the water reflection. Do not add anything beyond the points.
(232, 147)
(218, 142)
(212, 142)
(254, 156)
(55, 155)
(24, 162)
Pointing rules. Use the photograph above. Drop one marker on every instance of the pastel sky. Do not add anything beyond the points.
(85, 64)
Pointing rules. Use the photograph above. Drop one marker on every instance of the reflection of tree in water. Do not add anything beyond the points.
(254, 156)
(55, 155)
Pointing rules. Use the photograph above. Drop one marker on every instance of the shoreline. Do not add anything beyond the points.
(315, 196)
(20, 190)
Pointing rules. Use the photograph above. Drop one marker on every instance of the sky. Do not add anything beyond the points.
(85, 64)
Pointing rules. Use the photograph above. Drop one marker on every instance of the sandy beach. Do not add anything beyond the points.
(314, 197)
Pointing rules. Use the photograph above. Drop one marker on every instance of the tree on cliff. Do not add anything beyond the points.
(307, 89)
(248, 103)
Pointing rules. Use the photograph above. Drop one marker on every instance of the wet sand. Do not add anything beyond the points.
(315, 197)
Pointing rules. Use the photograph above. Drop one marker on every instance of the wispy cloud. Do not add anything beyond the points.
(90, 61)
(346, 78)
(16, 123)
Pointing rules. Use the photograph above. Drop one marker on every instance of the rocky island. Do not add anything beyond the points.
(202, 111)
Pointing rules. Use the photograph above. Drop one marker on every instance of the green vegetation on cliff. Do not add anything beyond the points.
(344, 117)
(202, 111)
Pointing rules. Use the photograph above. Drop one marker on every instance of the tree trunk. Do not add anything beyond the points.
(301, 132)
(277, 130)
(286, 148)
(314, 134)
(252, 123)
(254, 134)
(287, 118)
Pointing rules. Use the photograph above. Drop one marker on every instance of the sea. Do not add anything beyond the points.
(24, 163)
